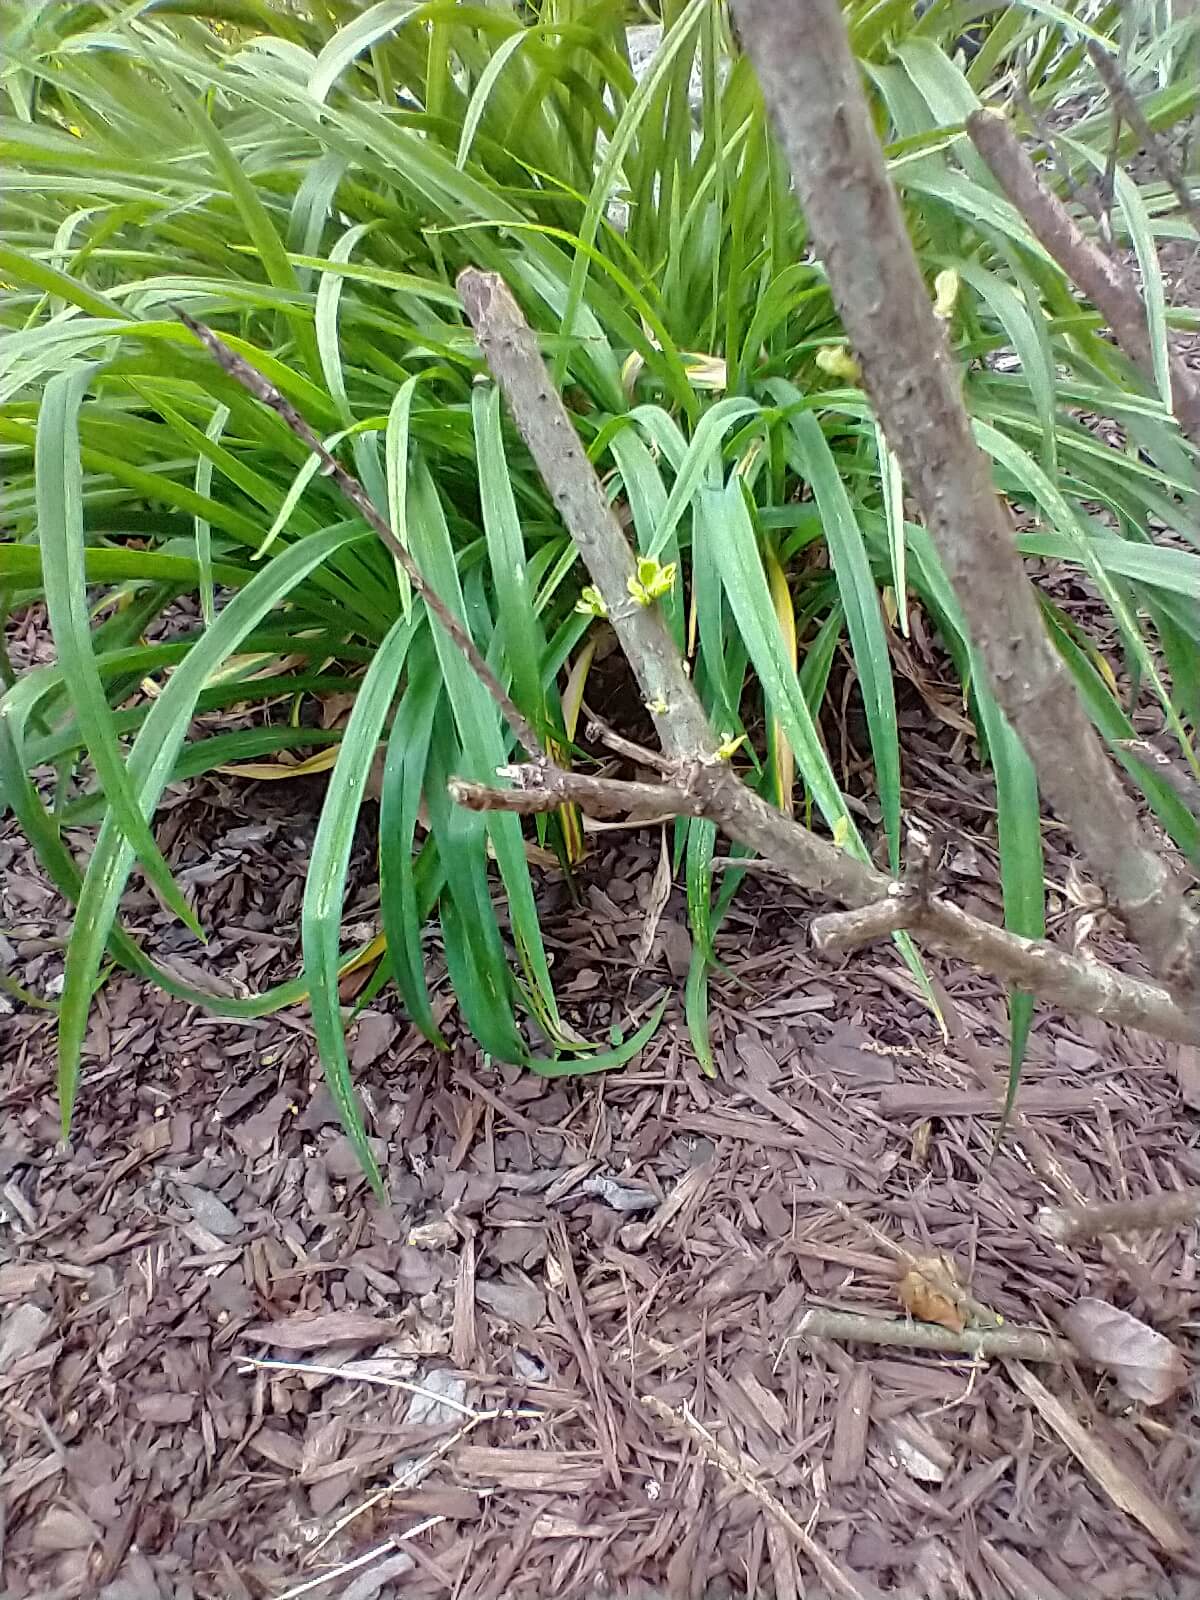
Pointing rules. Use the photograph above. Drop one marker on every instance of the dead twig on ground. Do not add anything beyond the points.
(839, 1580)
(1103, 280)
(813, 88)
(851, 1328)
(1156, 1211)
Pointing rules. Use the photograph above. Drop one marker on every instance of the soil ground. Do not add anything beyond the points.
(565, 1358)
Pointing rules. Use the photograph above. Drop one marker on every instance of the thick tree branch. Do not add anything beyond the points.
(1103, 280)
(812, 87)
(706, 784)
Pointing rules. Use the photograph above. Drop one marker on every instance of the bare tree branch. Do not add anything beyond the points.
(812, 86)
(1125, 102)
(708, 784)
(1104, 281)
(835, 931)
(545, 788)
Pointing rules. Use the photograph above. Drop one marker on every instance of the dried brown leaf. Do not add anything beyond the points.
(1145, 1363)
(930, 1291)
(302, 1332)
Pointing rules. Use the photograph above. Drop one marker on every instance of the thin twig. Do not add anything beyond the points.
(1104, 281)
(264, 390)
(600, 731)
(365, 1560)
(353, 1373)
(840, 1581)
(1125, 103)
(1171, 1210)
(850, 1327)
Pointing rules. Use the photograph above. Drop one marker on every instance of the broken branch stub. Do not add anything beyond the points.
(811, 84)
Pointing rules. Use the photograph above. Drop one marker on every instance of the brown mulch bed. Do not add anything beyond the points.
(569, 1342)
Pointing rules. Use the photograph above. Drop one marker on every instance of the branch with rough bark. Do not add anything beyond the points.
(1125, 104)
(1103, 280)
(698, 781)
(813, 89)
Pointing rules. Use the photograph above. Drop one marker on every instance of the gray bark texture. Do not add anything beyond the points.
(813, 91)
(699, 782)
(1105, 281)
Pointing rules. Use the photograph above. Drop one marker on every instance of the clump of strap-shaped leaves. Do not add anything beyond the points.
(311, 192)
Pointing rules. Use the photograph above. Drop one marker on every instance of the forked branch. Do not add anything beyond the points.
(707, 784)
(813, 89)
(696, 781)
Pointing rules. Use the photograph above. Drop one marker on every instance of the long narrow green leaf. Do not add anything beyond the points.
(324, 886)
(60, 529)
(149, 766)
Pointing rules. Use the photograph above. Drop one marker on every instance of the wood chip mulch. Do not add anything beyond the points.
(564, 1359)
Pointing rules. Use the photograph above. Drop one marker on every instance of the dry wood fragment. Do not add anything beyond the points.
(1120, 1216)
(1117, 1481)
(851, 1425)
(838, 1578)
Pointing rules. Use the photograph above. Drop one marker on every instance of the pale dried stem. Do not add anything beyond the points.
(849, 1327)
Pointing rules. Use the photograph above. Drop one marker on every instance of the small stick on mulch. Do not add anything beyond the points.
(1121, 1216)
(1117, 1481)
(838, 1578)
(1026, 1343)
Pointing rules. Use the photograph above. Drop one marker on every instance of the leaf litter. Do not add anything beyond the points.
(654, 1223)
